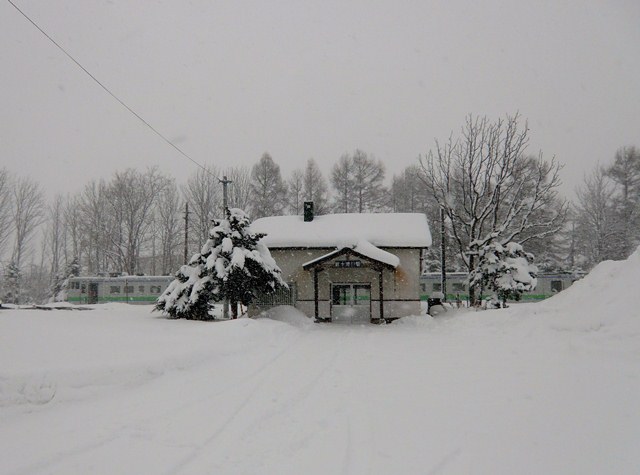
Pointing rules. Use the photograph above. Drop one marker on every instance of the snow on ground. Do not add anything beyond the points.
(548, 387)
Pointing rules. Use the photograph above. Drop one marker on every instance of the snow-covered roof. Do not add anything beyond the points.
(363, 248)
(339, 230)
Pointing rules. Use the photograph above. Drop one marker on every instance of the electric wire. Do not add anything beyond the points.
(108, 91)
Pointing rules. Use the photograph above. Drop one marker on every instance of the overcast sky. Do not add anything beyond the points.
(228, 81)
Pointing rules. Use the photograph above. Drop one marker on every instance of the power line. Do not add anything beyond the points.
(184, 154)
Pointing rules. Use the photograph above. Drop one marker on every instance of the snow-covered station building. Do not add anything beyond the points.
(348, 267)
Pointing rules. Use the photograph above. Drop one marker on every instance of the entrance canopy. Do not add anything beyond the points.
(362, 249)
(380, 260)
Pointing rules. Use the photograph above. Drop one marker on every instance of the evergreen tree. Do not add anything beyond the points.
(507, 270)
(12, 283)
(232, 265)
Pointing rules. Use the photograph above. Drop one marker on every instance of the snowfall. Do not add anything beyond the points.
(550, 387)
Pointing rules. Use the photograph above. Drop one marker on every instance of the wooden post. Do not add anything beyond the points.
(381, 292)
(315, 292)
(186, 233)
(443, 256)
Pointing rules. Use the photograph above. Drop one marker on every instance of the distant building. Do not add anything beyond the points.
(347, 267)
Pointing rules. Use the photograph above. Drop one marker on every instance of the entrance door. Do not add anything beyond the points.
(93, 293)
(351, 303)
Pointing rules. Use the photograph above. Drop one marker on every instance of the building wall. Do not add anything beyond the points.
(401, 286)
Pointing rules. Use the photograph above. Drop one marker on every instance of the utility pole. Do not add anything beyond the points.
(186, 232)
(225, 215)
(443, 258)
(225, 207)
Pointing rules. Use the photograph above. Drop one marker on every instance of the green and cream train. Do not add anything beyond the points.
(458, 289)
(134, 289)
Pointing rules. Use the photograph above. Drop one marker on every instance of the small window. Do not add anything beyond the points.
(361, 294)
(83, 289)
(128, 289)
(155, 289)
(437, 287)
(556, 286)
(141, 289)
(115, 289)
(423, 287)
(458, 287)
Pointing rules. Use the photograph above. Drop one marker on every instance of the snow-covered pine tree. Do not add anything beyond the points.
(506, 269)
(232, 265)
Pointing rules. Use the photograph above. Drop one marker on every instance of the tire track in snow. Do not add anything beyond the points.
(243, 423)
(250, 394)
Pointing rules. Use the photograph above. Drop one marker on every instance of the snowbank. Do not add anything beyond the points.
(289, 315)
(605, 299)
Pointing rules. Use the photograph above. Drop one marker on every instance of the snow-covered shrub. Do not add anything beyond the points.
(60, 284)
(232, 265)
(507, 270)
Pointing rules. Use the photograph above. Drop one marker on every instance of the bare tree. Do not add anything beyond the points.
(491, 190)
(368, 184)
(131, 197)
(6, 209)
(267, 188)
(295, 192)
(359, 183)
(342, 177)
(94, 227)
(74, 230)
(203, 192)
(315, 187)
(598, 227)
(28, 214)
(408, 193)
(625, 173)
(169, 227)
(239, 192)
(55, 235)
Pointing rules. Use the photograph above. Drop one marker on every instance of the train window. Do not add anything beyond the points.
(155, 289)
(115, 289)
(423, 287)
(437, 287)
(141, 289)
(556, 286)
(83, 288)
(128, 289)
(458, 287)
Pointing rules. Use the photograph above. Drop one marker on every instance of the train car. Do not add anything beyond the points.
(458, 289)
(133, 289)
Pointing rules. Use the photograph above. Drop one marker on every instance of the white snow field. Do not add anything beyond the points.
(546, 388)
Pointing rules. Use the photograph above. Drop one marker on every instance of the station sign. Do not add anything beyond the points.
(348, 264)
